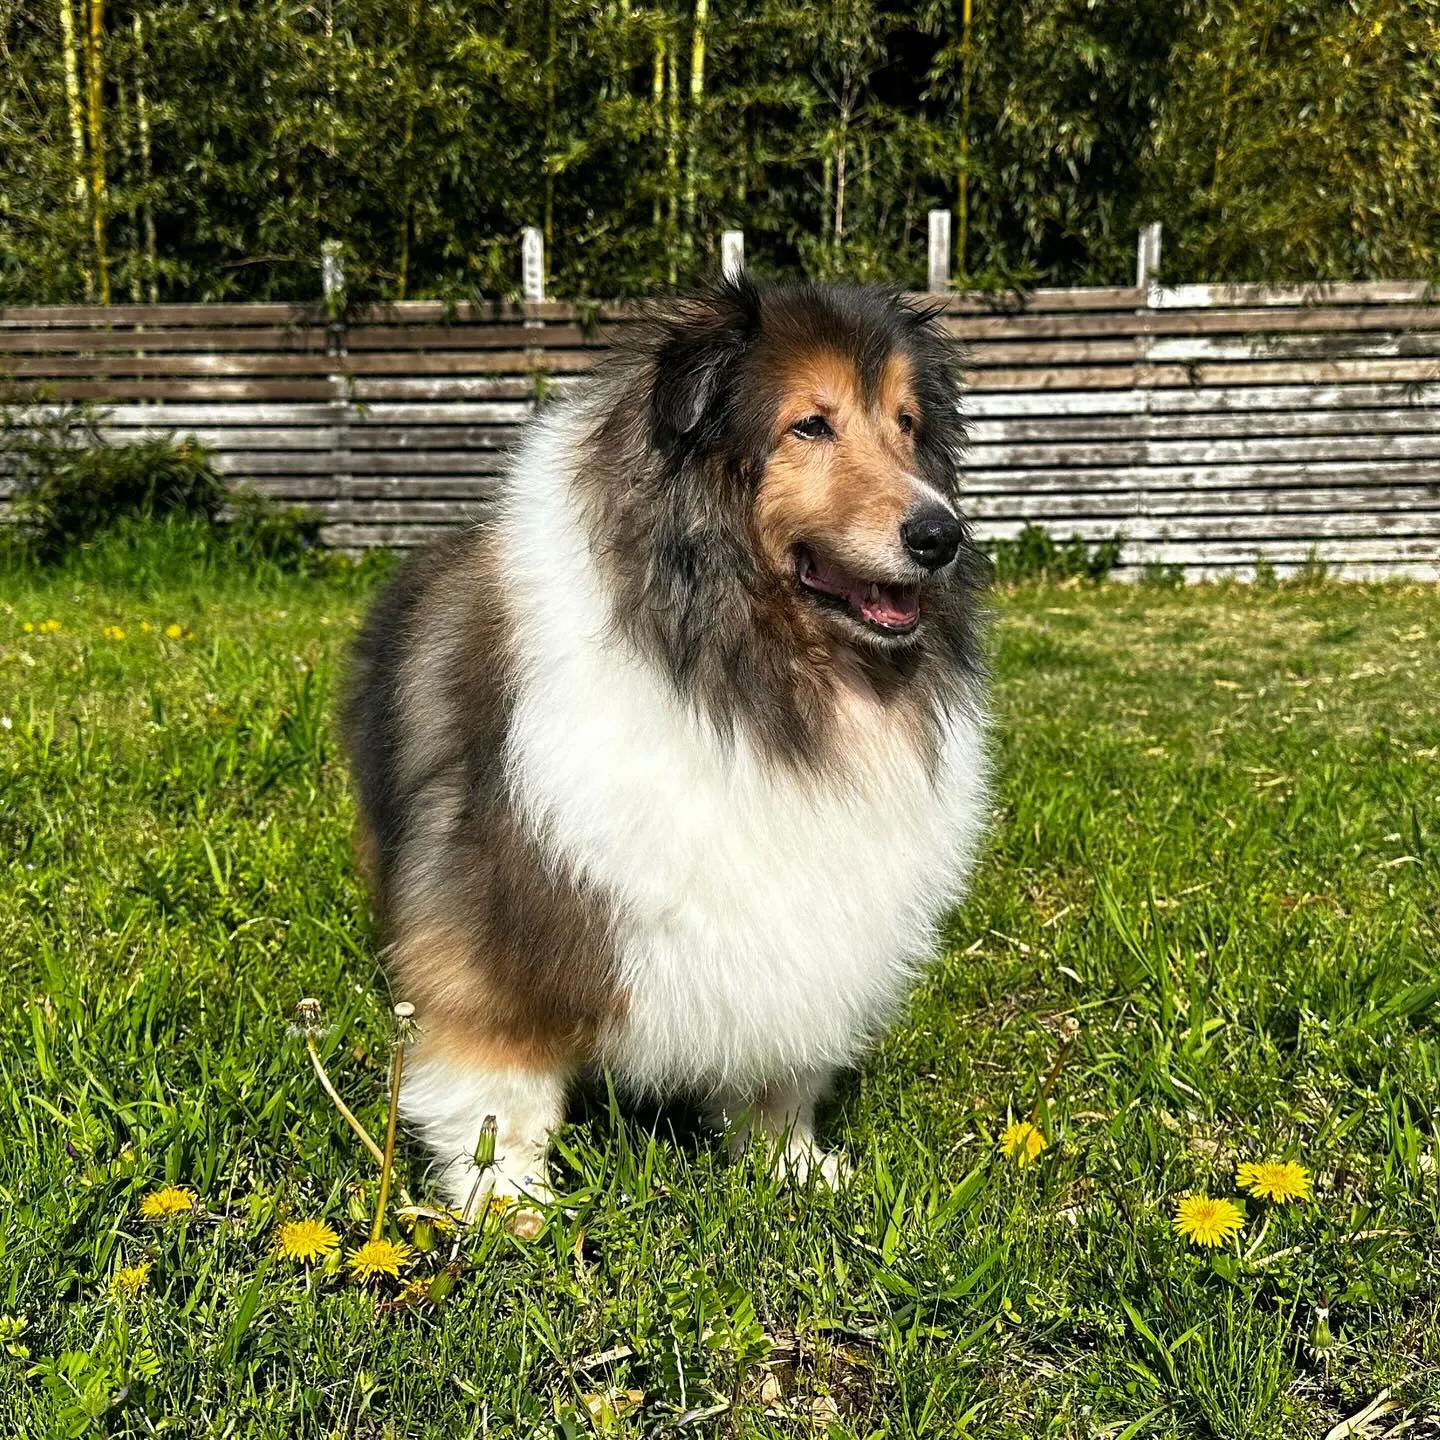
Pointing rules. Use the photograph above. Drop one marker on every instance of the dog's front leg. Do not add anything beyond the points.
(447, 1096)
(782, 1113)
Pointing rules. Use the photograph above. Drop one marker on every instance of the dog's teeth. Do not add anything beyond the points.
(874, 593)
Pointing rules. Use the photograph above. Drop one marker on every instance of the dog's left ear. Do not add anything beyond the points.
(705, 339)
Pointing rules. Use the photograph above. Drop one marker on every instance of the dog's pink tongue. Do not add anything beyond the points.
(895, 605)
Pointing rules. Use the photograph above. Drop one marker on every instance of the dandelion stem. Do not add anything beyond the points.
(1050, 1080)
(387, 1160)
(484, 1159)
(340, 1105)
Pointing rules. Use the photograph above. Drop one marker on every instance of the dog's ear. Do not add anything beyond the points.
(705, 338)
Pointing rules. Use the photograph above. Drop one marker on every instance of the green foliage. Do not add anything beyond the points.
(1300, 140)
(1224, 891)
(1034, 554)
(69, 483)
(231, 140)
(260, 529)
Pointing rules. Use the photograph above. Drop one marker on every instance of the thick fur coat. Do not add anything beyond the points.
(675, 762)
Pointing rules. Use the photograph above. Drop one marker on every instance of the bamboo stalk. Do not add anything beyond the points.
(94, 96)
(77, 122)
(72, 97)
(142, 121)
(963, 206)
(697, 99)
(672, 158)
(657, 100)
(551, 40)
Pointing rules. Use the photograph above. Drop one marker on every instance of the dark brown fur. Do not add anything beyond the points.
(484, 938)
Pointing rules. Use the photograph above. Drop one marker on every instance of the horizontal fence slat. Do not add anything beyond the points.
(1322, 292)
(158, 342)
(1201, 451)
(1198, 375)
(1257, 425)
(970, 328)
(1422, 529)
(1044, 507)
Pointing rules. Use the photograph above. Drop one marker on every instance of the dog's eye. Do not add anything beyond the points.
(813, 427)
(906, 421)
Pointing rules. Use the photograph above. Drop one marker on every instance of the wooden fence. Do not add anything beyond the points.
(1210, 425)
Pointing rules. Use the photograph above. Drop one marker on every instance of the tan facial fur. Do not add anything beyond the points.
(848, 495)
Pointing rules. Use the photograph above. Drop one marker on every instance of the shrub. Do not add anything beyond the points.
(70, 484)
(1035, 555)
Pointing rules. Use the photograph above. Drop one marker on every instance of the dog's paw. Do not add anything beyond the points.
(799, 1163)
(508, 1187)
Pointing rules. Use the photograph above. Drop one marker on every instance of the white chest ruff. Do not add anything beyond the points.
(767, 923)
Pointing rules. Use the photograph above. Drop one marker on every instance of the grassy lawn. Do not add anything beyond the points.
(1215, 865)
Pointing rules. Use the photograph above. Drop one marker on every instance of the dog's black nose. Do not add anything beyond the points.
(932, 536)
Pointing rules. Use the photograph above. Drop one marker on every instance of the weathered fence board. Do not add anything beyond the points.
(1212, 425)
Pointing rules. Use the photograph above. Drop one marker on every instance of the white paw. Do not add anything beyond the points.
(470, 1190)
(799, 1162)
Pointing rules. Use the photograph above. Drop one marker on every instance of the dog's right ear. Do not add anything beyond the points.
(705, 338)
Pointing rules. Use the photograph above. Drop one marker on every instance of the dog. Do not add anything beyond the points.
(674, 763)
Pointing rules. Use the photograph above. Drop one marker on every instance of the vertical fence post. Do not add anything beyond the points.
(1147, 261)
(332, 283)
(939, 267)
(732, 253)
(532, 269)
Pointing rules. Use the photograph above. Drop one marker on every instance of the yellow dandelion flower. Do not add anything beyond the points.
(1204, 1221)
(305, 1239)
(1274, 1180)
(28, 627)
(49, 627)
(130, 1280)
(113, 632)
(379, 1257)
(170, 1201)
(173, 631)
(146, 627)
(1022, 1142)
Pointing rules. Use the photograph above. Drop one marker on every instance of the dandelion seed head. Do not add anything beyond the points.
(309, 1017)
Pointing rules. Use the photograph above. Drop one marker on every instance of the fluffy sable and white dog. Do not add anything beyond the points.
(674, 763)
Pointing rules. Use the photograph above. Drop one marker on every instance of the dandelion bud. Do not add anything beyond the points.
(1320, 1336)
(485, 1145)
(441, 1284)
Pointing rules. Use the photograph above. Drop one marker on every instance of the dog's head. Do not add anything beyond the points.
(830, 417)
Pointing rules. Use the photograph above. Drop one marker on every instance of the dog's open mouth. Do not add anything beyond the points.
(889, 609)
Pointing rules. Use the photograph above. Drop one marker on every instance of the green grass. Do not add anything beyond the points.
(1214, 862)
